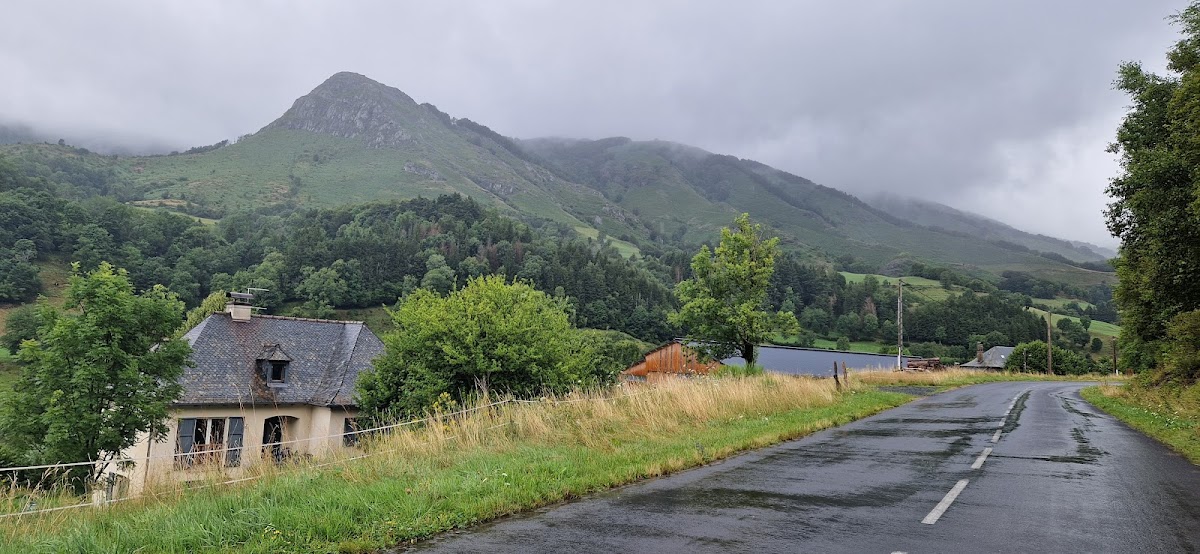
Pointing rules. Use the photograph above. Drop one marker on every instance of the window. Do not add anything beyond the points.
(209, 441)
(350, 433)
(276, 371)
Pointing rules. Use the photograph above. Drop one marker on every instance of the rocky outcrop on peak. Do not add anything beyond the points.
(349, 105)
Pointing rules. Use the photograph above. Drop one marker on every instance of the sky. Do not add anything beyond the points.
(998, 107)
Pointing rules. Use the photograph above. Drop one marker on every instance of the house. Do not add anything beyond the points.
(261, 389)
(994, 358)
(667, 361)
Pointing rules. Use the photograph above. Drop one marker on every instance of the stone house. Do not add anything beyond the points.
(261, 389)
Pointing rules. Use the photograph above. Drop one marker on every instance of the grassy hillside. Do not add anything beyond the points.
(933, 214)
(916, 288)
(686, 193)
(352, 140)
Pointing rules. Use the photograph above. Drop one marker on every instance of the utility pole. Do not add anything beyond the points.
(1049, 345)
(899, 324)
(1115, 370)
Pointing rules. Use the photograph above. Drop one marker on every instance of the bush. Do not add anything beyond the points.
(488, 335)
(1031, 357)
(1182, 362)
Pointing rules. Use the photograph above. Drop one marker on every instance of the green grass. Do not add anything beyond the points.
(916, 289)
(1104, 330)
(1170, 416)
(626, 249)
(1059, 303)
(367, 505)
(855, 346)
(964, 377)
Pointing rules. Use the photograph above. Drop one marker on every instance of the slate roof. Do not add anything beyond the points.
(995, 357)
(324, 359)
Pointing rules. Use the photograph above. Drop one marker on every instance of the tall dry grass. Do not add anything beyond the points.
(429, 457)
(956, 376)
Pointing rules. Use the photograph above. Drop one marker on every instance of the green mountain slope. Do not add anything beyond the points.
(933, 214)
(353, 140)
(687, 192)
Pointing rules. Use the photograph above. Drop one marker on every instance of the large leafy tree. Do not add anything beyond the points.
(724, 304)
(507, 338)
(1156, 205)
(98, 373)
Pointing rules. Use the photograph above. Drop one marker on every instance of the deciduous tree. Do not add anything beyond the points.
(508, 338)
(724, 304)
(98, 373)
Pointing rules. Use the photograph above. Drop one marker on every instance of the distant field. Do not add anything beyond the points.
(377, 319)
(920, 287)
(151, 205)
(626, 249)
(54, 274)
(1059, 303)
(1102, 329)
(856, 346)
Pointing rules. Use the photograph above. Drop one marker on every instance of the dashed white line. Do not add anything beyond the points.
(996, 437)
(979, 461)
(945, 503)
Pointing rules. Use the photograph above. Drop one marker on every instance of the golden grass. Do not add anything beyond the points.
(647, 431)
(956, 376)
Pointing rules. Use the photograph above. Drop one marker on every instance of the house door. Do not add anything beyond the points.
(276, 431)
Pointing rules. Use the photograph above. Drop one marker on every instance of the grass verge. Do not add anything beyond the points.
(963, 377)
(420, 482)
(1169, 415)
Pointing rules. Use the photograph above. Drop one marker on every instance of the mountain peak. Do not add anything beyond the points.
(351, 105)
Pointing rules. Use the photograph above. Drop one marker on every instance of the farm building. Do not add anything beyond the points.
(815, 361)
(669, 360)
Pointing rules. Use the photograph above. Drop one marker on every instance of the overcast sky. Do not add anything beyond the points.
(999, 107)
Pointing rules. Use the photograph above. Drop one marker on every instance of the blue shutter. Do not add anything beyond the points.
(185, 442)
(233, 456)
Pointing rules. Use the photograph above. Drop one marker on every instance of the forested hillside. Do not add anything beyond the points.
(352, 140)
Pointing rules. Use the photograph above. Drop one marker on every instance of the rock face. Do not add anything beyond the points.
(350, 105)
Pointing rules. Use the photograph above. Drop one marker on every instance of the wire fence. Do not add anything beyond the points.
(380, 429)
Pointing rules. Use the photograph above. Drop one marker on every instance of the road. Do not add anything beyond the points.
(1058, 476)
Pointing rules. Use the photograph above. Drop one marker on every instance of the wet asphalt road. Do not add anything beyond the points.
(1061, 477)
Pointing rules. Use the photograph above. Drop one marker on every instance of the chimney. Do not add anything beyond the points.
(979, 352)
(238, 307)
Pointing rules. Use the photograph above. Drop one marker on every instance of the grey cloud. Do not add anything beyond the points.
(960, 102)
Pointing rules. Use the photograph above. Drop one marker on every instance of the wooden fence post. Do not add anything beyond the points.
(836, 382)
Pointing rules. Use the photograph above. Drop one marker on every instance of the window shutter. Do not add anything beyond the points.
(233, 456)
(185, 442)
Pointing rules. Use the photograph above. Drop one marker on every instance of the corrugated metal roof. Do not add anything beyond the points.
(814, 361)
(324, 360)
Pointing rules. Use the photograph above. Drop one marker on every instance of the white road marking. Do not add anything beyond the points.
(996, 437)
(979, 461)
(1001, 423)
(945, 503)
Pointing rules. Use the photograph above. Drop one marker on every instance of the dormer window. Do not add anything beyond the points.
(272, 364)
(278, 371)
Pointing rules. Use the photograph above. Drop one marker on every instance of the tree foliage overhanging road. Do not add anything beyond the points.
(1156, 209)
